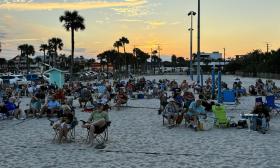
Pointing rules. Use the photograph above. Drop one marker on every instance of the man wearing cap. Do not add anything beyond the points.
(97, 120)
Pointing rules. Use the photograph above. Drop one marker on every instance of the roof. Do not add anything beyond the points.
(54, 69)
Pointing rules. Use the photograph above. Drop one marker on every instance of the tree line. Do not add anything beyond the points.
(256, 61)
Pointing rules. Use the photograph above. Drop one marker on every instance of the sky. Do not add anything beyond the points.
(240, 26)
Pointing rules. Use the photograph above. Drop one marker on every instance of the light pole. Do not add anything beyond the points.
(224, 56)
(198, 44)
(191, 13)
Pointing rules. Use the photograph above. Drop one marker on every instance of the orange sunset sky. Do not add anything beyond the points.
(237, 25)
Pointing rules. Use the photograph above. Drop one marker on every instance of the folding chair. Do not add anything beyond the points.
(229, 97)
(221, 119)
(270, 103)
(71, 134)
(101, 134)
(165, 117)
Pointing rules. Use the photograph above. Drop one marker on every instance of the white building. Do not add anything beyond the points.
(210, 56)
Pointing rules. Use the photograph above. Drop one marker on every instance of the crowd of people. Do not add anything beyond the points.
(182, 104)
(177, 102)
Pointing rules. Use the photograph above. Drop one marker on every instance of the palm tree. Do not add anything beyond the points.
(141, 58)
(29, 50)
(55, 44)
(174, 62)
(44, 48)
(72, 22)
(124, 41)
(117, 45)
(26, 50)
(21, 48)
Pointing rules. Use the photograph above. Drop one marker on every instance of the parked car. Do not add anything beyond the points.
(32, 77)
(14, 79)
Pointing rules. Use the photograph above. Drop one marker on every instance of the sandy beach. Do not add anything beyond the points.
(137, 138)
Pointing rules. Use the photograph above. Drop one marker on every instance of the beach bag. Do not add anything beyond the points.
(205, 124)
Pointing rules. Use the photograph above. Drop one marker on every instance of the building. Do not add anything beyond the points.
(97, 67)
(56, 77)
(210, 56)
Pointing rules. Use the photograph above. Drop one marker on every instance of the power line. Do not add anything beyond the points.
(267, 46)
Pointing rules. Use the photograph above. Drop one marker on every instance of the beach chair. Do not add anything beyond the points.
(101, 134)
(71, 134)
(221, 119)
(270, 103)
(165, 117)
(229, 97)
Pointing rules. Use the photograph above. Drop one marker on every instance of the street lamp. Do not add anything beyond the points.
(224, 56)
(191, 13)
(198, 44)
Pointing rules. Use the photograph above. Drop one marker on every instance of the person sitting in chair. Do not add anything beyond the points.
(97, 120)
(192, 116)
(252, 90)
(13, 109)
(51, 107)
(121, 98)
(64, 124)
(184, 86)
(261, 122)
(85, 96)
(171, 112)
(35, 106)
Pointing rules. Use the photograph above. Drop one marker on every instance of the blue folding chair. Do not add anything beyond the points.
(229, 97)
(270, 103)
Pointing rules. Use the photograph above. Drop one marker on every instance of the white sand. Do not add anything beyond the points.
(138, 139)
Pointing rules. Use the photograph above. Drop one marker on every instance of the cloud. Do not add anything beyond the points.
(22, 40)
(81, 5)
(150, 24)
(130, 20)
(156, 23)
(131, 11)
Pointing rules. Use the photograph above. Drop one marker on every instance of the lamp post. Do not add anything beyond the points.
(191, 13)
(198, 43)
(224, 56)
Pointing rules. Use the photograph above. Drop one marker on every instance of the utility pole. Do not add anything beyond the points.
(134, 53)
(224, 56)
(267, 47)
(198, 44)
(191, 13)
(159, 49)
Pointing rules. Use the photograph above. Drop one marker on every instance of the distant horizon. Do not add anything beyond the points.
(238, 26)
